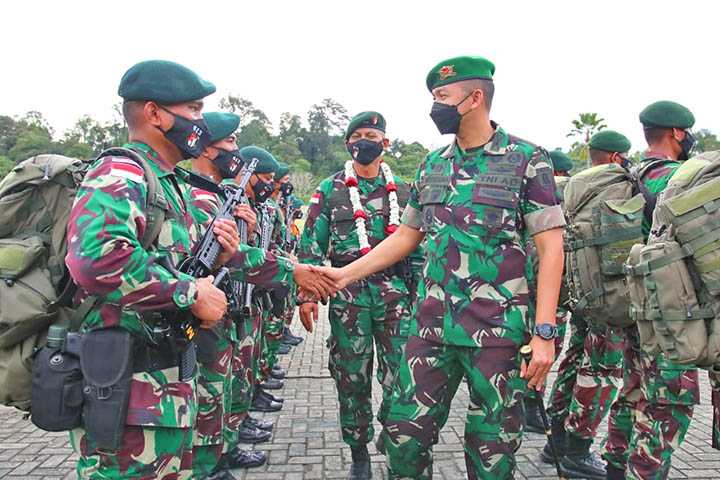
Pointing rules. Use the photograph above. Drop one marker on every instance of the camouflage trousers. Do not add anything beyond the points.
(429, 376)
(715, 386)
(652, 414)
(272, 336)
(588, 379)
(359, 325)
(213, 386)
(146, 453)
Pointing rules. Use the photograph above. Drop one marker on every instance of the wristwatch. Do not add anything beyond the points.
(546, 331)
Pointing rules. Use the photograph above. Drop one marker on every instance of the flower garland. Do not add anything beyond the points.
(359, 215)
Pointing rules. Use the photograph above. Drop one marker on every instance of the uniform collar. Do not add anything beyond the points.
(650, 155)
(159, 166)
(497, 145)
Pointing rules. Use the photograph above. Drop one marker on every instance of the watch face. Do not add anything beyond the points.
(545, 330)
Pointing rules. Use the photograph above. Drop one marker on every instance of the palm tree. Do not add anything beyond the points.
(584, 127)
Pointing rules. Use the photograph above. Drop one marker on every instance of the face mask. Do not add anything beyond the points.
(687, 144)
(262, 190)
(286, 189)
(365, 151)
(446, 117)
(190, 136)
(228, 163)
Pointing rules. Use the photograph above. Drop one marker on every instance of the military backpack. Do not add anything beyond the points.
(674, 279)
(35, 288)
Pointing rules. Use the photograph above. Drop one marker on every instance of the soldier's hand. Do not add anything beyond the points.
(336, 275)
(226, 232)
(308, 315)
(246, 212)
(211, 303)
(314, 281)
(542, 359)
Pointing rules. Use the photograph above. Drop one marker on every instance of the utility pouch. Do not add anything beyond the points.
(57, 386)
(105, 359)
(206, 341)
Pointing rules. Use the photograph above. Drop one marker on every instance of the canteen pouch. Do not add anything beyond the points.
(105, 359)
(57, 387)
(206, 341)
(672, 304)
(636, 287)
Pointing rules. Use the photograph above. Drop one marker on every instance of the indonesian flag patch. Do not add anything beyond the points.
(200, 194)
(315, 198)
(126, 168)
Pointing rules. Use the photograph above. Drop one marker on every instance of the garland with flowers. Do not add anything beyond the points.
(359, 215)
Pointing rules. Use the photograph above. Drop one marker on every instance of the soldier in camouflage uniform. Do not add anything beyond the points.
(106, 260)
(591, 373)
(375, 310)
(474, 203)
(652, 414)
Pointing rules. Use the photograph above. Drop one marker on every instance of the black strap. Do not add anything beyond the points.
(199, 181)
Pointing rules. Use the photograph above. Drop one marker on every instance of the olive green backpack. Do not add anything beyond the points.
(35, 288)
(674, 280)
(604, 215)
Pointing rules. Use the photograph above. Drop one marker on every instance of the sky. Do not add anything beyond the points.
(553, 59)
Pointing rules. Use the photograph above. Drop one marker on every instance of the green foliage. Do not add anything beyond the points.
(583, 128)
(5, 166)
(707, 141)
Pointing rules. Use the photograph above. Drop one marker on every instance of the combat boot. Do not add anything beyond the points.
(264, 404)
(272, 384)
(283, 349)
(559, 439)
(360, 468)
(257, 423)
(240, 458)
(290, 339)
(262, 393)
(580, 462)
(277, 372)
(250, 434)
(615, 473)
(533, 420)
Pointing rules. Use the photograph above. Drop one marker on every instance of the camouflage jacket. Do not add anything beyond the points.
(477, 208)
(106, 260)
(654, 173)
(330, 231)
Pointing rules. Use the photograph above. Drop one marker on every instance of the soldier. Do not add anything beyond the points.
(653, 411)
(591, 372)
(474, 203)
(162, 107)
(350, 213)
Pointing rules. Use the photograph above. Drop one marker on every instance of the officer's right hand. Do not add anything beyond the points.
(308, 315)
(210, 304)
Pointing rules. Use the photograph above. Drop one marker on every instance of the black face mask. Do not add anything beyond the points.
(262, 190)
(446, 117)
(190, 136)
(687, 145)
(228, 163)
(286, 189)
(365, 151)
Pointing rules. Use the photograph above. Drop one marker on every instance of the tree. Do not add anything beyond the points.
(706, 141)
(584, 127)
(245, 109)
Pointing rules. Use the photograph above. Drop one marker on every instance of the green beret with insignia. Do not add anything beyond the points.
(164, 82)
(283, 169)
(561, 162)
(266, 161)
(221, 124)
(458, 69)
(365, 120)
(666, 114)
(610, 141)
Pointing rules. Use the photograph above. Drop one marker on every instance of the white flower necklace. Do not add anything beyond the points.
(359, 215)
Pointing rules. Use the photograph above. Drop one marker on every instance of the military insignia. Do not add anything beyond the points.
(447, 71)
(192, 139)
(374, 120)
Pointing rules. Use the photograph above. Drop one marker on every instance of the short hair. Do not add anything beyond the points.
(599, 157)
(485, 85)
(131, 110)
(655, 134)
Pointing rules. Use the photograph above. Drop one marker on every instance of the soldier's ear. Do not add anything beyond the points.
(154, 115)
(386, 143)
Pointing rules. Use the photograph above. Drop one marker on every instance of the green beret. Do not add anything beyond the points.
(266, 161)
(297, 202)
(365, 120)
(221, 124)
(164, 82)
(561, 162)
(458, 69)
(282, 170)
(610, 141)
(666, 114)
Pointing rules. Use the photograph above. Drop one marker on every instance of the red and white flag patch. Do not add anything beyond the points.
(126, 168)
(200, 194)
(315, 198)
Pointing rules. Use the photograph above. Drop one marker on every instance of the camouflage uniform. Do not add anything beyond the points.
(476, 208)
(652, 414)
(375, 308)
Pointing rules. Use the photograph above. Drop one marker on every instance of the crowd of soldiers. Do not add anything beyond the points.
(432, 279)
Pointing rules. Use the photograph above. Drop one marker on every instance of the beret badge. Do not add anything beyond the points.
(447, 71)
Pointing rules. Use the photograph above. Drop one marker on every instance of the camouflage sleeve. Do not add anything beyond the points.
(105, 256)
(412, 216)
(539, 205)
(264, 269)
(315, 239)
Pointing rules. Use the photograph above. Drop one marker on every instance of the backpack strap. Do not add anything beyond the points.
(156, 201)
(650, 197)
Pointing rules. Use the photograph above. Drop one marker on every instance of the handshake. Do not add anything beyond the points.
(316, 283)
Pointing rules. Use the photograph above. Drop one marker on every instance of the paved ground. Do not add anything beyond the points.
(306, 442)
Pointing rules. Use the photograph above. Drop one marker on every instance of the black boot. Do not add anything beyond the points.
(240, 458)
(291, 339)
(283, 349)
(277, 372)
(360, 468)
(250, 434)
(559, 439)
(615, 473)
(272, 384)
(262, 393)
(257, 423)
(533, 420)
(580, 462)
(264, 404)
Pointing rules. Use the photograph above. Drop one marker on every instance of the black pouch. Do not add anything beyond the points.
(57, 383)
(206, 341)
(105, 358)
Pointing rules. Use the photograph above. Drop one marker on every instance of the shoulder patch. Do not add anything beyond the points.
(200, 194)
(126, 168)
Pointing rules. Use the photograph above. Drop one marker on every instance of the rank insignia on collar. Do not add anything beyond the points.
(447, 71)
